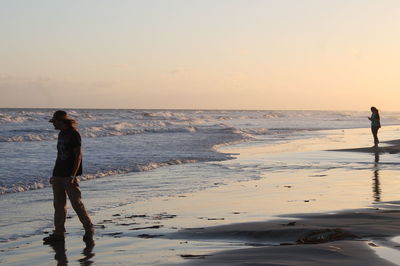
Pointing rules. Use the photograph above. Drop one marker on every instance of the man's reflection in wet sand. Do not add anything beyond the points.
(59, 249)
(376, 184)
(61, 256)
(88, 253)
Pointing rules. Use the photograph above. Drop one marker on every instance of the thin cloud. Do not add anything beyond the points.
(178, 70)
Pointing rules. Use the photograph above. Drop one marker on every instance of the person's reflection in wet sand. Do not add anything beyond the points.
(376, 185)
(59, 249)
(88, 253)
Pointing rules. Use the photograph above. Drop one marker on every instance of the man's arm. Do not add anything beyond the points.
(77, 163)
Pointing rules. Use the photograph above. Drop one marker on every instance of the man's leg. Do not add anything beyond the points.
(60, 211)
(377, 140)
(60, 205)
(375, 134)
(74, 194)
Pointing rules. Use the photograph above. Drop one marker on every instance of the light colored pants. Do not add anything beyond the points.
(62, 187)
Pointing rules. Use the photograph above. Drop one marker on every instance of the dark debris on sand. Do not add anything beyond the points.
(163, 216)
(147, 227)
(136, 216)
(189, 256)
(113, 234)
(148, 236)
(325, 235)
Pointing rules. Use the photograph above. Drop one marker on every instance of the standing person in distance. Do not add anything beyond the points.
(64, 180)
(375, 124)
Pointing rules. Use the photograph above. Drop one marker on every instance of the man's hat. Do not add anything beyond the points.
(59, 115)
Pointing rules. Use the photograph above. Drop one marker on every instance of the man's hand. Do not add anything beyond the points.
(74, 180)
(51, 180)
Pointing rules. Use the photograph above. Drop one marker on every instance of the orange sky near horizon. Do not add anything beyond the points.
(308, 54)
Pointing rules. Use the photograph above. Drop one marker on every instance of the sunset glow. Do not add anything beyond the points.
(325, 55)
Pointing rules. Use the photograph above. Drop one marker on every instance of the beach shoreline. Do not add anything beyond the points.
(162, 230)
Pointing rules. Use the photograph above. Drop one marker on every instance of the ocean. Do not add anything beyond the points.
(122, 141)
(122, 147)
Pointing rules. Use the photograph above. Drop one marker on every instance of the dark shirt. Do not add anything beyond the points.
(67, 141)
(375, 120)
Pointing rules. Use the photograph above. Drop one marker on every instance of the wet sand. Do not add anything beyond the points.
(346, 238)
(392, 147)
(368, 236)
(347, 253)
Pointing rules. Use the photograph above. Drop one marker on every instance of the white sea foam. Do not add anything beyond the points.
(29, 137)
(118, 129)
(21, 186)
(12, 119)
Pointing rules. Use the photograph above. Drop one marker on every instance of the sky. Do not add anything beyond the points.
(200, 54)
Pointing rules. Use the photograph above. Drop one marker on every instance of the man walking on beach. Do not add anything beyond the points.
(64, 180)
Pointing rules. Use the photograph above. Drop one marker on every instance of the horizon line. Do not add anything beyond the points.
(194, 109)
